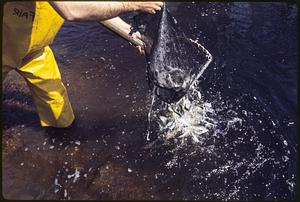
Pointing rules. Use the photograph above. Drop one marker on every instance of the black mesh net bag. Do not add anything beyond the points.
(174, 61)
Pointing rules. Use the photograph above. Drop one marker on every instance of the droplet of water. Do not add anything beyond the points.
(285, 158)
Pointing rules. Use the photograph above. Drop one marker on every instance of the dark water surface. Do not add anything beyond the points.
(251, 84)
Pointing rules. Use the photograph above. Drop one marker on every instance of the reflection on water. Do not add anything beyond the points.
(251, 88)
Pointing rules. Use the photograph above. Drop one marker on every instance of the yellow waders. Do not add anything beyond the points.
(28, 29)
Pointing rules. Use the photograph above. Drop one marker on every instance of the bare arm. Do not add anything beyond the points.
(118, 22)
(99, 11)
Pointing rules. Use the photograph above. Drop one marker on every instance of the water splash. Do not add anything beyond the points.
(230, 152)
(188, 118)
(149, 116)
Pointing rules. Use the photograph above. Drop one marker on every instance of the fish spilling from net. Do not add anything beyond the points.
(187, 118)
(174, 66)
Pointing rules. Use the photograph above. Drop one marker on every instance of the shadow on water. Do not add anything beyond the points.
(16, 103)
(105, 155)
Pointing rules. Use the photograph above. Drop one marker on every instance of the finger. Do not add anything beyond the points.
(158, 8)
(150, 9)
(160, 4)
(138, 49)
(141, 50)
(136, 35)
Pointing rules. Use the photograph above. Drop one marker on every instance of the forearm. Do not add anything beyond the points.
(91, 11)
(117, 22)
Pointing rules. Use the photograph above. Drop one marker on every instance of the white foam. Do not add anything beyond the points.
(76, 175)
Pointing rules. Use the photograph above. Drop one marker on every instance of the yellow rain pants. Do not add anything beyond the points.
(28, 29)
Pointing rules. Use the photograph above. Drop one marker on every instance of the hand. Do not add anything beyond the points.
(140, 49)
(148, 6)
